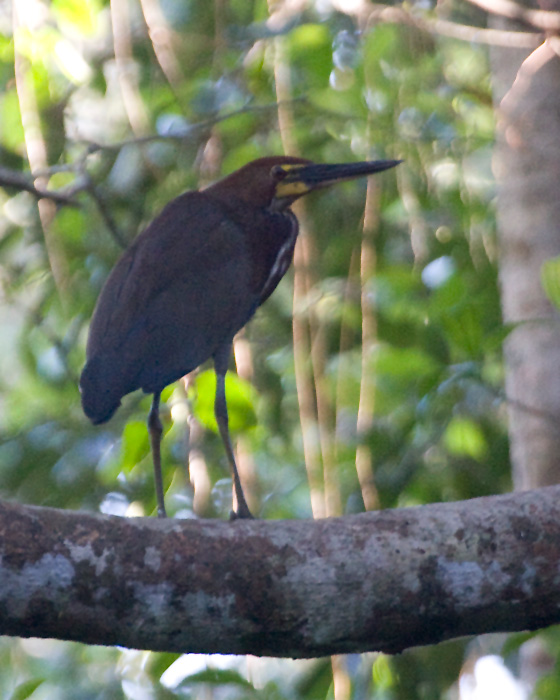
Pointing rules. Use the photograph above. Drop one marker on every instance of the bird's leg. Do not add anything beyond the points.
(156, 429)
(221, 413)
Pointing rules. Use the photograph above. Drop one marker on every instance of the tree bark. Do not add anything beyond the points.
(379, 581)
(527, 167)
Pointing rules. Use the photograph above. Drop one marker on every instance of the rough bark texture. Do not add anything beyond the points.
(378, 581)
(528, 171)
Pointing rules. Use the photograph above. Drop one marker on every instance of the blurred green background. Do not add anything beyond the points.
(372, 378)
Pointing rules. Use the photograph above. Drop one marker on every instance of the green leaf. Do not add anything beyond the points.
(159, 662)
(464, 437)
(26, 689)
(311, 54)
(135, 444)
(382, 673)
(217, 676)
(550, 280)
(69, 223)
(11, 130)
(465, 329)
(308, 38)
(240, 396)
(548, 687)
(404, 364)
(82, 14)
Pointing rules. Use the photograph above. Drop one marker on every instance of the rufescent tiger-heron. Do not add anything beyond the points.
(190, 281)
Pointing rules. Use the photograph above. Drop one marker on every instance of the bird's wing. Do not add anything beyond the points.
(181, 288)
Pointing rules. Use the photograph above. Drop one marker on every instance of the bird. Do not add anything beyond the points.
(190, 281)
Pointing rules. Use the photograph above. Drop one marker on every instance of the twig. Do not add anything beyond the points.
(545, 20)
(105, 213)
(190, 131)
(479, 35)
(11, 178)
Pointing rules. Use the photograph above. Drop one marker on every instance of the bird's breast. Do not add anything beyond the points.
(262, 242)
(281, 243)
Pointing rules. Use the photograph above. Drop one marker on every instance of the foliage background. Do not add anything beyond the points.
(375, 369)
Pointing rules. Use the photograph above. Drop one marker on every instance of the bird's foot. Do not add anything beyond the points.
(241, 514)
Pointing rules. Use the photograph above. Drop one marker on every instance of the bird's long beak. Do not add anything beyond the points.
(299, 179)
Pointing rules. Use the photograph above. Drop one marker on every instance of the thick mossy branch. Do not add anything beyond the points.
(379, 581)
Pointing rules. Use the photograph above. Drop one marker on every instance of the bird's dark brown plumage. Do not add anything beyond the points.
(192, 279)
(183, 288)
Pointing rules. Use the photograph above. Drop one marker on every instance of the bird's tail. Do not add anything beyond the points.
(101, 386)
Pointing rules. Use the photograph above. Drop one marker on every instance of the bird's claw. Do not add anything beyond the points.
(241, 514)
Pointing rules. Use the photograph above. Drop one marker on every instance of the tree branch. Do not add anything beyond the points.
(434, 25)
(544, 20)
(12, 178)
(378, 581)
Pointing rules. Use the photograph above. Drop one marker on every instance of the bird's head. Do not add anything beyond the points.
(277, 181)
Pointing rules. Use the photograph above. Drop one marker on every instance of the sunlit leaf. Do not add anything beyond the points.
(404, 363)
(82, 14)
(160, 662)
(550, 280)
(548, 687)
(11, 129)
(240, 401)
(135, 444)
(463, 437)
(382, 673)
(25, 690)
(218, 676)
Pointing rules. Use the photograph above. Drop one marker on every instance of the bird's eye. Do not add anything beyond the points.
(278, 173)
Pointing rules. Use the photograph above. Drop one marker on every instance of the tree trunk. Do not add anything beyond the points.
(527, 167)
